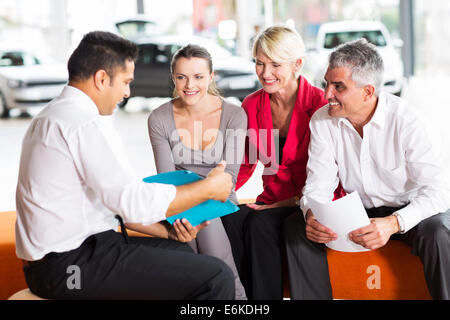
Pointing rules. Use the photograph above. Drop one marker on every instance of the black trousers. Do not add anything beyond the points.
(308, 267)
(111, 266)
(257, 242)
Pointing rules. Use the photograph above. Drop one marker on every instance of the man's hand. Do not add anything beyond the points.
(316, 231)
(216, 186)
(376, 234)
(220, 182)
(183, 231)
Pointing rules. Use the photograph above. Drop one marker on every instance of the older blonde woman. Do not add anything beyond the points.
(278, 115)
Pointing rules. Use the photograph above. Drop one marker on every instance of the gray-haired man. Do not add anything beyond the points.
(373, 143)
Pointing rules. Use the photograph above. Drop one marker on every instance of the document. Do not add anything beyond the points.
(205, 211)
(342, 216)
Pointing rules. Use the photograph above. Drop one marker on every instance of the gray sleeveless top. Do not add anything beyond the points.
(171, 154)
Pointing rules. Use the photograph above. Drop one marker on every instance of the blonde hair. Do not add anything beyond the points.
(281, 44)
(195, 51)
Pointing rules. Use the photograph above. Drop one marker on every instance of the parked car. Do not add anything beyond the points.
(234, 75)
(332, 34)
(137, 26)
(27, 82)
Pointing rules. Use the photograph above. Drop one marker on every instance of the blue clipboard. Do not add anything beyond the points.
(205, 211)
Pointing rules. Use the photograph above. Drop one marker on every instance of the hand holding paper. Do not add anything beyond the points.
(317, 232)
(377, 234)
(341, 216)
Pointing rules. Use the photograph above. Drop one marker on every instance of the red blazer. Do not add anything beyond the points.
(285, 180)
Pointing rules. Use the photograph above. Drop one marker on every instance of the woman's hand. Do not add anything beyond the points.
(183, 231)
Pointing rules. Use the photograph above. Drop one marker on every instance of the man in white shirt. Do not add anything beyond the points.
(74, 181)
(373, 143)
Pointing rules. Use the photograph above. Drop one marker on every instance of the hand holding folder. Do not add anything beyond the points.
(205, 211)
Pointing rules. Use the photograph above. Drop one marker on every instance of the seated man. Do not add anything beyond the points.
(373, 143)
(74, 181)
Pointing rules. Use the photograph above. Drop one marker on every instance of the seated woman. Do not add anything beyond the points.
(195, 131)
(278, 136)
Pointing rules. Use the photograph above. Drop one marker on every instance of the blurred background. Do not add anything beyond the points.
(37, 37)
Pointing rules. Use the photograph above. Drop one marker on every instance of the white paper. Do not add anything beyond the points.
(343, 216)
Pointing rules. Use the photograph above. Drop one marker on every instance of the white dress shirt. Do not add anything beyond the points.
(392, 165)
(74, 178)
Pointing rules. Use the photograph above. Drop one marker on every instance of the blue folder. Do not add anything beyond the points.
(205, 211)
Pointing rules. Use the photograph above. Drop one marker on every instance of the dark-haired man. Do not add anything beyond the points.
(73, 182)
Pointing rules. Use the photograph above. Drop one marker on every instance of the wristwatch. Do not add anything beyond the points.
(401, 223)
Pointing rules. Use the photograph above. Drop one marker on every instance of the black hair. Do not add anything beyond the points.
(100, 50)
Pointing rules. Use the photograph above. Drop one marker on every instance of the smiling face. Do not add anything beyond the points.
(346, 99)
(275, 76)
(344, 96)
(115, 89)
(192, 78)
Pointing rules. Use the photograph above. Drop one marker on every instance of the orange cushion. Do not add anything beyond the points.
(388, 273)
(391, 272)
(11, 274)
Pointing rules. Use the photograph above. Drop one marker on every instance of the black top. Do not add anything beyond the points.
(282, 142)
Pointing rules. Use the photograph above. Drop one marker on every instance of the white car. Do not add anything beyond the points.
(27, 82)
(332, 34)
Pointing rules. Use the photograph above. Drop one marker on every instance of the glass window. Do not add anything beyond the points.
(17, 58)
(146, 54)
(136, 28)
(334, 39)
(154, 54)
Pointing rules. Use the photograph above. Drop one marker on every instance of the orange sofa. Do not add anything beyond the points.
(11, 275)
(388, 273)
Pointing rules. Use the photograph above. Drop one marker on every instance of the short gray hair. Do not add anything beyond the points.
(281, 44)
(363, 60)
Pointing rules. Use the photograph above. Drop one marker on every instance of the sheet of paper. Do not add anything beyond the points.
(342, 216)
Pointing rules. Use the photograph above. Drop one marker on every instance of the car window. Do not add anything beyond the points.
(217, 51)
(162, 54)
(17, 58)
(334, 39)
(154, 54)
(174, 48)
(134, 29)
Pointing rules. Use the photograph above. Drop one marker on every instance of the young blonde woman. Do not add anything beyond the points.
(195, 131)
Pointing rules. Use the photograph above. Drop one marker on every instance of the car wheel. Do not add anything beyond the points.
(4, 111)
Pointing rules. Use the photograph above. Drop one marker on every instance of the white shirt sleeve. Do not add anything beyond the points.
(322, 170)
(425, 173)
(102, 165)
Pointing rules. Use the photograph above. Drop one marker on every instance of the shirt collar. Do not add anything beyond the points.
(85, 102)
(379, 117)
